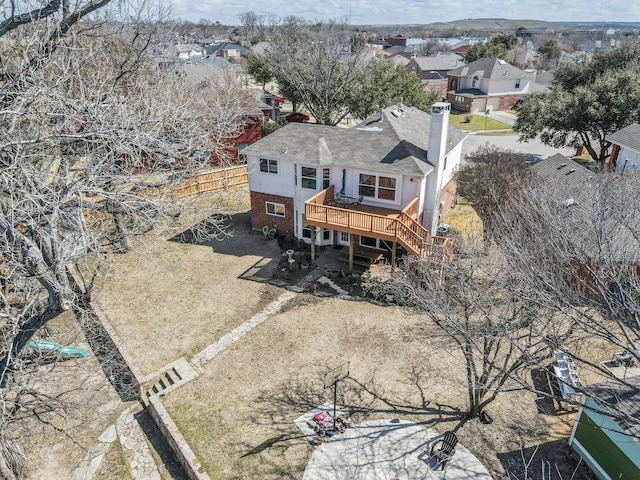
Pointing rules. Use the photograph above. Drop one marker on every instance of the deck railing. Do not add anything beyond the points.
(403, 229)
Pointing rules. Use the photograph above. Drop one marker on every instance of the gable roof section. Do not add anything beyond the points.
(490, 68)
(393, 144)
(628, 137)
(219, 47)
(439, 62)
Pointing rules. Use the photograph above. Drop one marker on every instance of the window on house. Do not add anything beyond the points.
(241, 156)
(308, 177)
(518, 83)
(326, 178)
(372, 243)
(376, 186)
(344, 237)
(268, 166)
(276, 209)
(474, 82)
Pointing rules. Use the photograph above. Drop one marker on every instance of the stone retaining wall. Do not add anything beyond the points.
(165, 423)
(188, 460)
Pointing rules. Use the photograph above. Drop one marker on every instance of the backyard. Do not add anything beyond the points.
(238, 414)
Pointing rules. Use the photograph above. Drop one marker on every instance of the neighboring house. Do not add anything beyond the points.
(405, 51)
(435, 67)
(228, 50)
(250, 133)
(383, 183)
(203, 71)
(183, 51)
(399, 61)
(588, 213)
(625, 154)
(486, 84)
(607, 429)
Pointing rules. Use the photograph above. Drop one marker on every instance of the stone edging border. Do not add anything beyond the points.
(166, 425)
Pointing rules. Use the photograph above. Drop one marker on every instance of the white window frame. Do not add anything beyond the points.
(308, 179)
(377, 188)
(270, 163)
(275, 207)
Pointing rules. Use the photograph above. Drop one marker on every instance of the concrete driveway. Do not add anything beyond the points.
(502, 117)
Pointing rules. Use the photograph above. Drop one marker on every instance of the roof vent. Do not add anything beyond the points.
(569, 202)
(570, 171)
(395, 113)
(501, 62)
(561, 166)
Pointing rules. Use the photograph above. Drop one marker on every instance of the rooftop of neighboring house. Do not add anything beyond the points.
(174, 50)
(219, 47)
(397, 49)
(490, 68)
(628, 136)
(620, 401)
(394, 143)
(201, 70)
(578, 193)
(399, 60)
(441, 61)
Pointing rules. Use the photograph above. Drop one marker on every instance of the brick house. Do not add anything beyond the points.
(384, 183)
(487, 84)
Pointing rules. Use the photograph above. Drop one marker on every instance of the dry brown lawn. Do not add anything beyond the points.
(464, 220)
(90, 406)
(169, 300)
(239, 416)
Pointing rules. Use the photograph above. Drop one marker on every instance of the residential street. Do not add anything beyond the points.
(473, 141)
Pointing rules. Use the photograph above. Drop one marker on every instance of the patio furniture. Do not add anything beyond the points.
(445, 451)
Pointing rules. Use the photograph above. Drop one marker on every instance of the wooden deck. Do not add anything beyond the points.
(398, 226)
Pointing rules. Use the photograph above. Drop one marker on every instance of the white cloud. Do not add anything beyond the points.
(411, 11)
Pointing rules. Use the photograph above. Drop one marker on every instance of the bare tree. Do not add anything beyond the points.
(249, 21)
(321, 64)
(487, 177)
(498, 334)
(562, 273)
(88, 124)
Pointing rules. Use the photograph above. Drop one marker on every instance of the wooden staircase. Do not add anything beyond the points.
(392, 226)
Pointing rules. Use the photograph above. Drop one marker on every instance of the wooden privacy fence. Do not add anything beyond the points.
(213, 180)
(204, 182)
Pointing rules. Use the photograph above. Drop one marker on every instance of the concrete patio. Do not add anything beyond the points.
(384, 449)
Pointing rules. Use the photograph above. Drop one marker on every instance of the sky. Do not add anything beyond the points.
(379, 12)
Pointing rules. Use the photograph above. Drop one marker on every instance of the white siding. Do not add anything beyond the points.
(280, 183)
(628, 160)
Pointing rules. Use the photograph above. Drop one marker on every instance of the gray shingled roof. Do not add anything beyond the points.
(629, 137)
(601, 209)
(620, 401)
(440, 62)
(395, 144)
(488, 68)
(197, 71)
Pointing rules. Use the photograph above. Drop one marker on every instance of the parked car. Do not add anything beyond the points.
(296, 117)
